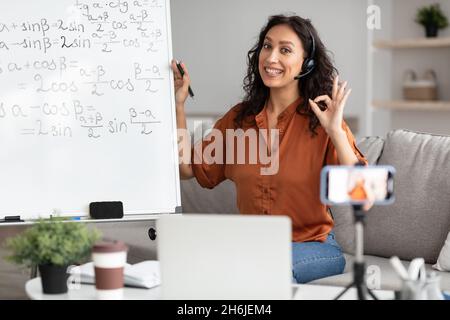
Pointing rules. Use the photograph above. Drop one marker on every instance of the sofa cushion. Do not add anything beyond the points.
(372, 148)
(443, 262)
(221, 199)
(344, 228)
(417, 224)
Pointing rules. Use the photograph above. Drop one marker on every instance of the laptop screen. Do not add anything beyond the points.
(225, 256)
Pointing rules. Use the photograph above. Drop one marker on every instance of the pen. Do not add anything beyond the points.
(191, 93)
(399, 268)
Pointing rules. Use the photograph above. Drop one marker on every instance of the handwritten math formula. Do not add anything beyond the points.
(90, 69)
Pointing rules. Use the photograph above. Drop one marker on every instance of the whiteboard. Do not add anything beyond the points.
(86, 107)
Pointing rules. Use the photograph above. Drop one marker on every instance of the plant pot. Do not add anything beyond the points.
(54, 278)
(431, 31)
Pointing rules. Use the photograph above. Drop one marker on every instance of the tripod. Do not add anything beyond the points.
(359, 267)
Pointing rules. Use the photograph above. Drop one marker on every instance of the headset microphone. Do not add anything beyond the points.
(309, 63)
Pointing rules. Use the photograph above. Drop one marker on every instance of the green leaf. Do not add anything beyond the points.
(58, 242)
(432, 16)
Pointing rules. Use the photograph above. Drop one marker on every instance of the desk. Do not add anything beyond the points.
(33, 289)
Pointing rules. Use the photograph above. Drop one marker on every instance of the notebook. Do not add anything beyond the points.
(145, 274)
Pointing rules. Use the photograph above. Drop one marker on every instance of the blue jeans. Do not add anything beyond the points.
(314, 260)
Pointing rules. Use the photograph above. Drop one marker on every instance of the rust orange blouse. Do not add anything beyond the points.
(295, 189)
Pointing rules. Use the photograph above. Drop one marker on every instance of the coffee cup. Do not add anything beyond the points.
(109, 260)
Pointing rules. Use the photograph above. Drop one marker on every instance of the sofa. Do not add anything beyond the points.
(416, 225)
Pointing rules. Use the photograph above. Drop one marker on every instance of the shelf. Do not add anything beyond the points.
(413, 43)
(402, 105)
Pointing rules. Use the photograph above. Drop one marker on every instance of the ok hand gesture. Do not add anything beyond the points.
(331, 118)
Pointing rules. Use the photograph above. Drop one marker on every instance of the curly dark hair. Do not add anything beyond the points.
(318, 82)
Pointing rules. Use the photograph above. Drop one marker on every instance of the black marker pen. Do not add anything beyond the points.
(180, 68)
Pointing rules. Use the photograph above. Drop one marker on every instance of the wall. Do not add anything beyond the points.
(213, 38)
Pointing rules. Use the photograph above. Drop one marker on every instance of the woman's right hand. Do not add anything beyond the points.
(181, 83)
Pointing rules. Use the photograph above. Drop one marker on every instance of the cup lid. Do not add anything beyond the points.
(109, 246)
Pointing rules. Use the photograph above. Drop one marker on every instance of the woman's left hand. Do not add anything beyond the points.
(331, 118)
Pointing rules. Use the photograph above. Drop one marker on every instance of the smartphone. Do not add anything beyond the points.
(347, 185)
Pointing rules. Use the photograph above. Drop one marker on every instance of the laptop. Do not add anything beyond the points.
(225, 257)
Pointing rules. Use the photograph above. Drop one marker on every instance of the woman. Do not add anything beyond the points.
(304, 101)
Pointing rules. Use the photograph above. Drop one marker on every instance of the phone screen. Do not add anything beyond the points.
(357, 185)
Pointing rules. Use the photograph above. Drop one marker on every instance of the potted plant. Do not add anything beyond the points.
(52, 245)
(432, 18)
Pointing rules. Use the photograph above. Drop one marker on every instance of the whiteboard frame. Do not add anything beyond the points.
(178, 208)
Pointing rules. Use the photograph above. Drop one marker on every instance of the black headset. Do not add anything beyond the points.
(309, 63)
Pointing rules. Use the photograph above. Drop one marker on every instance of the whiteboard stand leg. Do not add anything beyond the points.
(33, 271)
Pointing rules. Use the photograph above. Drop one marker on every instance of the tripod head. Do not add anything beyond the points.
(359, 214)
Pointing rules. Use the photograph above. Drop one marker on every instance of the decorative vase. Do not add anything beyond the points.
(431, 31)
(54, 278)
